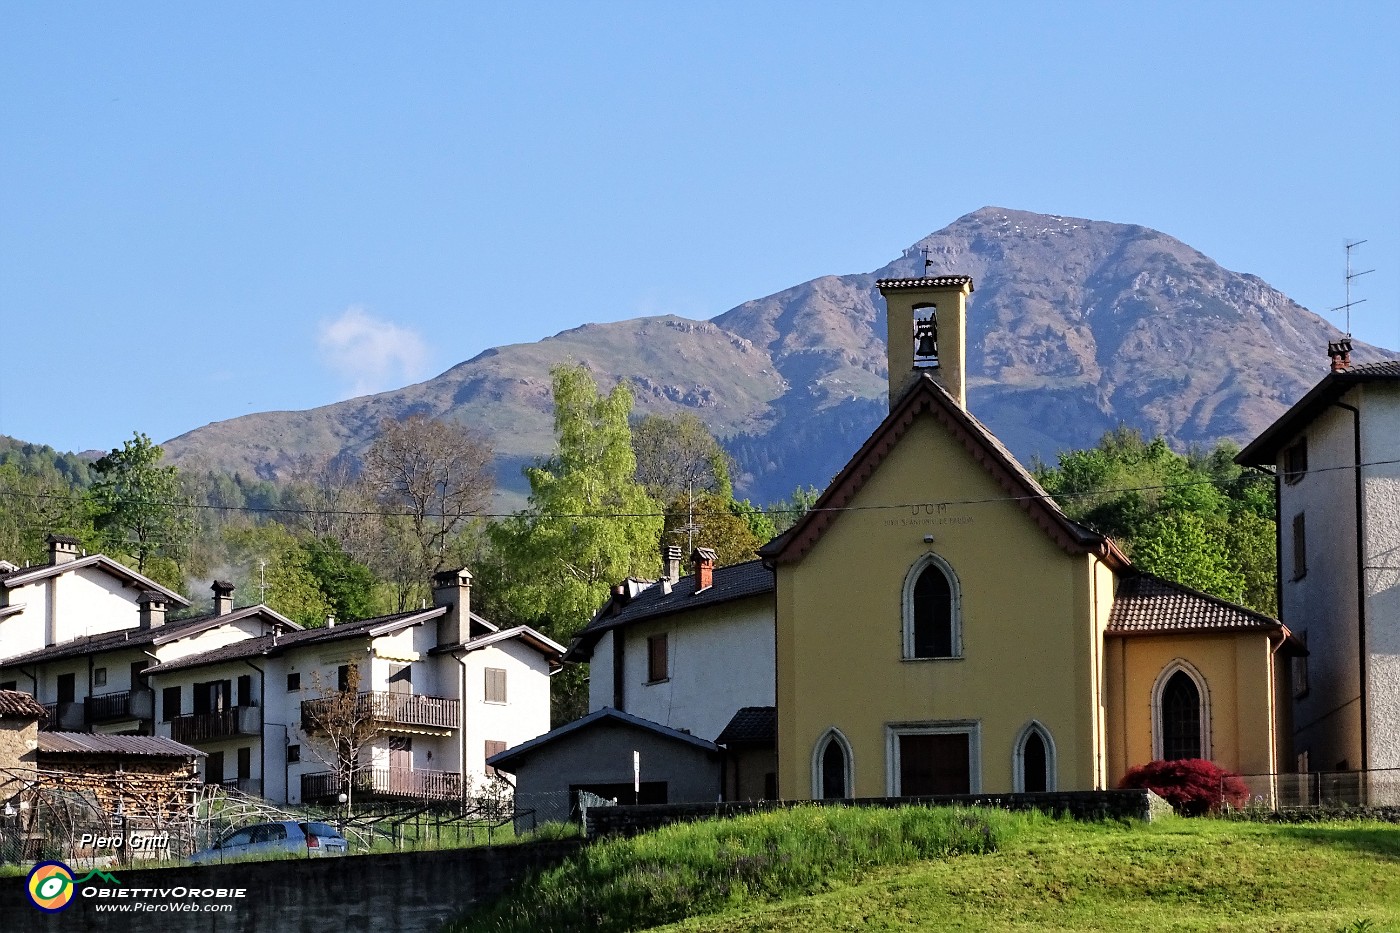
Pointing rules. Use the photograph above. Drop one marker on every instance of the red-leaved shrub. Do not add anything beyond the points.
(1193, 786)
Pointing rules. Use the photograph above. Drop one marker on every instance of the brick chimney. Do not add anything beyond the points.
(153, 606)
(671, 563)
(1340, 353)
(704, 560)
(223, 597)
(62, 549)
(453, 589)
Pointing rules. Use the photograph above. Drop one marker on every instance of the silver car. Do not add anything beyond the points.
(283, 836)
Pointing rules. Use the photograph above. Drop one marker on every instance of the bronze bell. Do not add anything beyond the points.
(926, 332)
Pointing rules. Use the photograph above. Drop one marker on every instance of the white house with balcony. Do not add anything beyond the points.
(444, 688)
(89, 638)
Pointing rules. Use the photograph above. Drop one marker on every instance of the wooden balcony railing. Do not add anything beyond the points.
(124, 704)
(221, 724)
(418, 784)
(405, 709)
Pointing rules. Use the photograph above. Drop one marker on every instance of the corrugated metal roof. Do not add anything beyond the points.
(95, 743)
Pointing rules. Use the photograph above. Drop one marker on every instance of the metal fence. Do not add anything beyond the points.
(1321, 789)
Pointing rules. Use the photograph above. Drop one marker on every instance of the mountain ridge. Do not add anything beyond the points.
(1075, 326)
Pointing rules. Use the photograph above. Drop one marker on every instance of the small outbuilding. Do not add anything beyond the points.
(598, 754)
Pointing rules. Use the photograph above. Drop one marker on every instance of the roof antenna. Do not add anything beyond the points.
(1350, 245)
(928, 263)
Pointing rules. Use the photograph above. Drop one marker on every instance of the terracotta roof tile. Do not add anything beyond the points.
(1146, 604)
(17, 705)
(934, 281)
(752, 725)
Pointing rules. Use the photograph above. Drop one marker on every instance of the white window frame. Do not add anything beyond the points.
(1018, 758)
(1180, 664)
(931, 559)
(832, 734)
(970, 727)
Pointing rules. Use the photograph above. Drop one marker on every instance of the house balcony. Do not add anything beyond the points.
(65, 717)
(404, 710)
(383, 783)
(245, 785)
(220, 724)
(124, 704)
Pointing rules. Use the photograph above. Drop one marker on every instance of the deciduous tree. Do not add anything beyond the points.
(430, 478)
(140, 509)
(589, 522)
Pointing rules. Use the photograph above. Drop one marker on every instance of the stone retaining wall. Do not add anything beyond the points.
(409, 892)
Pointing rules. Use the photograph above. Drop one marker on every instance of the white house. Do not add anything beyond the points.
(89, 639)
(684, 652)
(445, 687)
(1336, 454)
(677, 667)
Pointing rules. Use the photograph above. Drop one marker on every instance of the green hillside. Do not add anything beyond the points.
(780, 872)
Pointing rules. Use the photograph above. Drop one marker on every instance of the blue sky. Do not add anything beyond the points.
(208, 210)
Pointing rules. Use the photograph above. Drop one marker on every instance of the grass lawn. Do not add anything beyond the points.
(1177, 874)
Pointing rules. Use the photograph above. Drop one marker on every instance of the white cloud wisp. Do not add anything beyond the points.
(371, 355)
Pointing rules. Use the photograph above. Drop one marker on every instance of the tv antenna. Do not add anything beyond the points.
(928, 263)
(1351, 245)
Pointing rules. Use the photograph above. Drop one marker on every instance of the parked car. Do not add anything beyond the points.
(308, 839)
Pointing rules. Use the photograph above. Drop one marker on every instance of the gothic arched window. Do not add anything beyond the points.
(931, 624)
(1180, 714)
(832, 775)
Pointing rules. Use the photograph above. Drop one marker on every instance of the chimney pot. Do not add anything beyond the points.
(704, 560)
(62, 549)
(223, 597)
(1340, 353)
(153, 606)
(671, 562)
(453, 589)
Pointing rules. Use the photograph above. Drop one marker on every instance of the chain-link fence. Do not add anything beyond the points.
(45, 822)
(1323, 789)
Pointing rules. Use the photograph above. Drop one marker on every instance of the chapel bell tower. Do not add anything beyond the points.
(927, 332)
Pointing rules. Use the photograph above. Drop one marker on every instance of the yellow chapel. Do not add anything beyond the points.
(943, 627)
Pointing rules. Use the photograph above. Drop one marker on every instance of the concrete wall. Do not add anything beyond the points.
(524, 715)
(1322, 605)
(1380, 445)
(407, 893)
(86, 601)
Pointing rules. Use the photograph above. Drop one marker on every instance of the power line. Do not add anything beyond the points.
(366, 513)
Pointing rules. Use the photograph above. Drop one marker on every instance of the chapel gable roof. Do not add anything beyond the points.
(926, 397)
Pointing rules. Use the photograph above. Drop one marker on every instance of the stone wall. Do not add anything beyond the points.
(1084, 805)
(413, 892)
